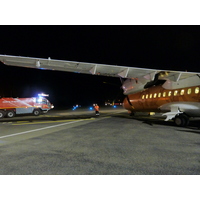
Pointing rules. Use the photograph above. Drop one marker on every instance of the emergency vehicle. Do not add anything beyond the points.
(9, 107)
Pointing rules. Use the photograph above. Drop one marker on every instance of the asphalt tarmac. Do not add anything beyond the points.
(66, 142)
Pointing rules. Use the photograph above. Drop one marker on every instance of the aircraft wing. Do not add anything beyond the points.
(90, 68)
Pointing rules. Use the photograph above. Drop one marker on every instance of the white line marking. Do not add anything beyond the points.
(39, 129)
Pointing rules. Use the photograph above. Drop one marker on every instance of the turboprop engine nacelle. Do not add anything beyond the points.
(134, 85)
(137, 84)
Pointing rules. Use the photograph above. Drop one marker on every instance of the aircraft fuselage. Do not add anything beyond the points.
(158, 99)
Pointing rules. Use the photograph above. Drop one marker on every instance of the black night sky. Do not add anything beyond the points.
(158, 47)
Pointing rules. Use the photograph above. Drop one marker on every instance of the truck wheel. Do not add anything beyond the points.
(10, 114)
(36, 112)
(2, 114)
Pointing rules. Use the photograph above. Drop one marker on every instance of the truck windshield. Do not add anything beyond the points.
(41, 101)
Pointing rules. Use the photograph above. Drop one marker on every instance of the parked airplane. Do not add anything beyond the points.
(174, 93)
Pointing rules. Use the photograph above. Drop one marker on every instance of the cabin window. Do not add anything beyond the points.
(164, 94)
(150, 96)
(189, 91)
(197, 90)
(143, 96)
(159, 94)
(182, 92)
(155, 95)
(147, 96)
(169, 93)
(175, 92)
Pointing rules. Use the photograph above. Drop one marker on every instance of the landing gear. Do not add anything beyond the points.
(181, 120)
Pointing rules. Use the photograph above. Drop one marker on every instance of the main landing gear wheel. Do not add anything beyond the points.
(10, 114)
(181, 120)
(2, 114)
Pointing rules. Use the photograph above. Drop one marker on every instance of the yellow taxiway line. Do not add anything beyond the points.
(48, 122)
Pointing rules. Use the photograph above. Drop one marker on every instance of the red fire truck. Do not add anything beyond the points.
(35, 105)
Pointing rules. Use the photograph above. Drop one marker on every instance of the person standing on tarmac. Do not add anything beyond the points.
(96, 107)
